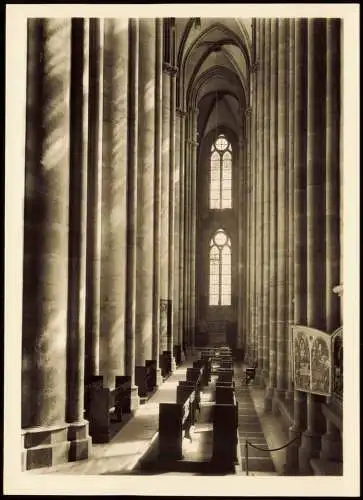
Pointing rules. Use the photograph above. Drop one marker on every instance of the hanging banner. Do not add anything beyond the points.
(312, 360)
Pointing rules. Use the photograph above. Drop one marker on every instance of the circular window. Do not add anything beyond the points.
(221, 143)
(220, 238)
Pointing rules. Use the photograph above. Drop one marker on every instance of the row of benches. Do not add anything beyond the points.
(175, 419)
(102, 404)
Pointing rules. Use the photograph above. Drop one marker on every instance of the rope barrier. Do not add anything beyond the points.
(273, 449)
(266, 449)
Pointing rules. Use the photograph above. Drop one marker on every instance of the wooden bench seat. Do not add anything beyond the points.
(225, 425)
(145, 377)
(102, 401)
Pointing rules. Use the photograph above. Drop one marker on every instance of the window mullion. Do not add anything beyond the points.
(220, 278)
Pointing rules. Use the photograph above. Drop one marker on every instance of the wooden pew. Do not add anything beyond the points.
(225, 424)
(174, 418)
(177, 351)
(206, 365)
(145, 377)
(101, 401)
(92, 381)
(165, 363)
(250, 374)
(225, 378)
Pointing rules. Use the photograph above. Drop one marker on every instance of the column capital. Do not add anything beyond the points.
(255, 66)
(181, 112)
(193, 109)
(170, 69)
(248, 111)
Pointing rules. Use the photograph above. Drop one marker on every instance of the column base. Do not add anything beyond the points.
(278, 394)
(263, 379)
(331, 447)
(173, 364)
(159, 378)
(291, 467)
(45, 447)
(80, 441)
(268, 399)
(310, 447)
(289, 395)
(134, 398)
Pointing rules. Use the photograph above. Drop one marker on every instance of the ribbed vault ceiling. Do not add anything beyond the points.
(214, 58)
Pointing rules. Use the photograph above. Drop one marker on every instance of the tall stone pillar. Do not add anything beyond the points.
(78, 427)
(247, 195)
(281, 296)
(145, 208)
(259, 199)
(182, 233)
(266, 202)
(164, 210)
(157, 195)
(132, 177)
(171, 246)
(290, 202)
(251, 353)
(315, 188)
(331, 442)
(193, 254)
(272, 155)
(94, 194)
(46, 219)
(177, 235)
(332, 173)
(114, 201)
(186, 299)
(300, 269)
(241, 211)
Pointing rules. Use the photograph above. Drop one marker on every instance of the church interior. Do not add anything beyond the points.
(182, 261)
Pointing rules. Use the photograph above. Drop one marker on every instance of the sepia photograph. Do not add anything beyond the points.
(181, 239)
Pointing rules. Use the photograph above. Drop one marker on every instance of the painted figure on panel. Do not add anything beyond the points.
(320, 367)
(302, 362)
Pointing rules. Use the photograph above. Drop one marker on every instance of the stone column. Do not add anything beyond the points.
(332, 173)
(251, 353)
(259, 198)
(157, 196)
(272, 155)
(315, 218)
(177, 233)
(186, 294)
(281, 296)
(132, 176)
(46, 218)
(331, 443)
(193, 173)
(114, 201)
(94, 187)
(183, 208)
(171, 279)
(145, 192)
(164, 209)
(78, 427)
(300, 124)
(240, 202)
(290, 202)
(247, 194)
(266, 202)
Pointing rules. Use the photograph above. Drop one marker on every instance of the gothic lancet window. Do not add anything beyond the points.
(220, 195)
(220, 275)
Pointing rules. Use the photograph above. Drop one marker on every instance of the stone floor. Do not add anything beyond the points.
(137, 437)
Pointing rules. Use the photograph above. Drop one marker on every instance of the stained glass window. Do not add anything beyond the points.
(221, 174)
(220, 275)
